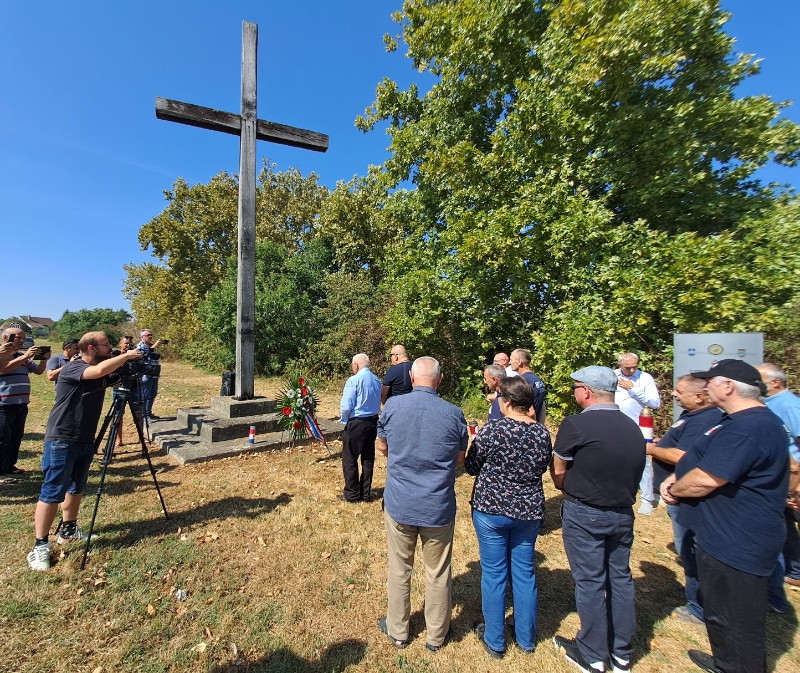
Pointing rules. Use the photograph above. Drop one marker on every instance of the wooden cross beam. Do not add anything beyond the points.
(249, 129)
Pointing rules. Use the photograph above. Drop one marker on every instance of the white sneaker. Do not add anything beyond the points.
(39, 557)
(77, 536)
(646, 508)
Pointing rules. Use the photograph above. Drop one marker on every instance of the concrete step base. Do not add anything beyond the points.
(185, 444)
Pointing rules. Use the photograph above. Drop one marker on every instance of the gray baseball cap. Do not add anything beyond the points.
(597, 377)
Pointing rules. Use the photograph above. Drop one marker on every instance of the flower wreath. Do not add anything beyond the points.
(293, 404)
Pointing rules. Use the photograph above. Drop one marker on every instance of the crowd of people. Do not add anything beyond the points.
(81, 374)
(722, 470)
(728, 471)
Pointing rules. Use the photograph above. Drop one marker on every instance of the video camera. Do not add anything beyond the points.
(148, 365)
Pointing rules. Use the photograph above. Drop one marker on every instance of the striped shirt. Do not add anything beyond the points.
(15, 386)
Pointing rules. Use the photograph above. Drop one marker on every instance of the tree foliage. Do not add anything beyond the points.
(74, 324)
(289, 289)
(576, 168)
(194, 241)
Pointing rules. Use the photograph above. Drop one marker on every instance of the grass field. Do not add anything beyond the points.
(277, 574)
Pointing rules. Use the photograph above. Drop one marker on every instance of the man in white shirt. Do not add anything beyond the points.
(635, 391)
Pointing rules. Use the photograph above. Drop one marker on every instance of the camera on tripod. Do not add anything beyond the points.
(147, 366)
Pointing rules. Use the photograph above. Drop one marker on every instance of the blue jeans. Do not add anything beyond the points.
(149, 390)
(791, 548)
(66, 469)
(684, 545)
(598, 545)
(507, 548)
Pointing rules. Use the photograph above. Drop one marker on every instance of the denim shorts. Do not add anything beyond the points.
(65, 466)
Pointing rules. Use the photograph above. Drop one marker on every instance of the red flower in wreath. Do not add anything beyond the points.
(301, 381)
(286, 411)
(304, 391)
(297, 425)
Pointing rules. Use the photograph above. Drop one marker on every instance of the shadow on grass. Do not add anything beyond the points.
(556, 601)
(658, 592)
(781, 631)
(337, 657)
(227, 508)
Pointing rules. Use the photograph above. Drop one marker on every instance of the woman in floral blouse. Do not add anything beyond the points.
(509, 456)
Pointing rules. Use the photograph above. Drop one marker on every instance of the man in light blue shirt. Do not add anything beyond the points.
(361, 404)
(786, 406)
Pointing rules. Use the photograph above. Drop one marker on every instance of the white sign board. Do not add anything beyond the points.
(698, 352)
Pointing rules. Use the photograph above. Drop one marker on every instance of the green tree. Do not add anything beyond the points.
(74, 324)
(194, 242)
(289, 289)
(558, 179)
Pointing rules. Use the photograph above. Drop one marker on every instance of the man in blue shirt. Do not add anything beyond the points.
(424, 439)
(786, 406)
(732, 485)
(361, 404)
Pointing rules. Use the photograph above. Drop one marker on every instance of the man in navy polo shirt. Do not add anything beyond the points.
(698, 416)
(732, 485)
(424, 439)
(397, 380)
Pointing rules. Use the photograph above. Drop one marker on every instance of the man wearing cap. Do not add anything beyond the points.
(732, 485)
(598, 457)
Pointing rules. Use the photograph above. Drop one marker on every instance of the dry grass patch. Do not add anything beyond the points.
(280, 576)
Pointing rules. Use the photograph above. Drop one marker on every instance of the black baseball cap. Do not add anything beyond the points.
(737, 370)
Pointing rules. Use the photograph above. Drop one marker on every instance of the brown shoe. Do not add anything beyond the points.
(792, 582)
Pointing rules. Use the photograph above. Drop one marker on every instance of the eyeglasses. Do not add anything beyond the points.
(574, 387)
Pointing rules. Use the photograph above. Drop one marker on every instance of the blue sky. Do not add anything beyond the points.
(84, 161)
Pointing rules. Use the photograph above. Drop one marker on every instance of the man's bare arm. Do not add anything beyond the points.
(382, 446)
(669, 455)
(558, 468)
(696, 484)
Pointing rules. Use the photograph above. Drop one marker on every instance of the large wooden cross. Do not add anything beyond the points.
(249, 128)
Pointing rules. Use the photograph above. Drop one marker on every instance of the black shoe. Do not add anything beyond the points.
(436, 648)
(480, 630)
(399, 644)
(569, 649)
(344, 499)
(703, 660)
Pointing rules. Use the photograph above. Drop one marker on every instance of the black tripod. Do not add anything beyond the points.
(113, 422)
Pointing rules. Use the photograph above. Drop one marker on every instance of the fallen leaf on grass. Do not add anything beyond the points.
(100, 581)
(150, 610)
(326, 554)
(261, 541)
(646, 540)
(200, 648)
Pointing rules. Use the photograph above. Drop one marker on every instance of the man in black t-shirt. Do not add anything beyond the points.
(398, 378)
(732, 485)
(598, 459)
(69, 441)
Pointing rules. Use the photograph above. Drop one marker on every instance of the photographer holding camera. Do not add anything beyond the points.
(150, 381)
(69, 441)
(15, 394)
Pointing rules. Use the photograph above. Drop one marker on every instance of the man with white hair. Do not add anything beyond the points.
(636, 390)
(786, 405)
(424, 439)
(732, 485)
(361, 403)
